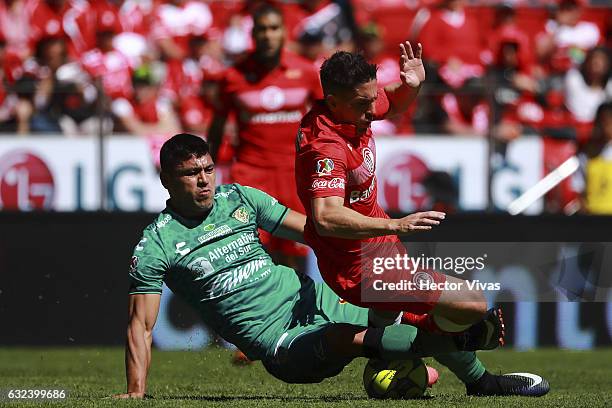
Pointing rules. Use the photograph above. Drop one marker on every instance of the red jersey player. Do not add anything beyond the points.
(269, 92)
(335, 173)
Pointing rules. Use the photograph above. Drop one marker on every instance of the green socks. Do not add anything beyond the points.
(403, 342)
(464, 364)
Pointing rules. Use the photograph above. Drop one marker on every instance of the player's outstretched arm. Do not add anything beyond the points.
(332, 218)
(292, 227)
(412, 75)
(143, 310)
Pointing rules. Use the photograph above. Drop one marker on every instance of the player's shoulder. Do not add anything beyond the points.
(243, 67)
(157, 236)
(234, 75)
(236, 191)
(238, 195)
(317, 131)
(159, 223)
(227, 192)
(233, 193)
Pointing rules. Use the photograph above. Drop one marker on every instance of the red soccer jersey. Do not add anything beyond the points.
(269, 106)
(333, 160)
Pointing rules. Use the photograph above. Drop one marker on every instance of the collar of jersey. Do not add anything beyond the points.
(283, 63)
(187, 222)
(346, 130)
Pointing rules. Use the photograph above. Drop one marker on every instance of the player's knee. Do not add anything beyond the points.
(473, 308)
(476, 311)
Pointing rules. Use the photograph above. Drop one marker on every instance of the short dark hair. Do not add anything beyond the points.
(344, 71)
(179, 148)
(264, 10)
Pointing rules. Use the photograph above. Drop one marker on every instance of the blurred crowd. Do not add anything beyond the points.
(157, 62)
(151, 67)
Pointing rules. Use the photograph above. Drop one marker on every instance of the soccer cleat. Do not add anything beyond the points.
(521, 384)
(487, 334)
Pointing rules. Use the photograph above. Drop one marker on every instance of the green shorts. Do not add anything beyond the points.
(301, 354)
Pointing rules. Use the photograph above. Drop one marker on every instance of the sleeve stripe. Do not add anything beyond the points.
(280, 220)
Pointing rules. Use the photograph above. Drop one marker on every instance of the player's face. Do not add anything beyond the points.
(268, 35)
(356, 107)
(192, 185)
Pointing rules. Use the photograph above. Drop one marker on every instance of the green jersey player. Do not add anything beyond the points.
(205, 247)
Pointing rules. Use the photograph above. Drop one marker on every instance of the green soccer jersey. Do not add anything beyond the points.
(220, 268)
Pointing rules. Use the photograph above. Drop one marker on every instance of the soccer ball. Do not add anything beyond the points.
(400, 379)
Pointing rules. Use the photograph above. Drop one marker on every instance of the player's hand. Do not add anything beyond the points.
(421, 221)
(412, 72)
(133, 395)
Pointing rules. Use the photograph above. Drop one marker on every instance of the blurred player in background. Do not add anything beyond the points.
(205, 247)
(595, 178)
(269, 92)
(346, 227)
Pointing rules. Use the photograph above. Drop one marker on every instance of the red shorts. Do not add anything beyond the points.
(418, 301)
(280, 184)
(392, 288)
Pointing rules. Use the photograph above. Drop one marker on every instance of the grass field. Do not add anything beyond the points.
(190, 379)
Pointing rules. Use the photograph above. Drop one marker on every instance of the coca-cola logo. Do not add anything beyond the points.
(336, 183)
(26, 183)
(400, 183)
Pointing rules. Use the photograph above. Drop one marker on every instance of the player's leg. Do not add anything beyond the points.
(450, 307)
(350, 336)
(309, 354)
(456, 310)
(451, 304)
(396, 342)
(464, 364)
(399, 342)
(302, 356)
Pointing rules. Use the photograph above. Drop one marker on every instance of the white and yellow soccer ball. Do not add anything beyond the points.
(400, 379)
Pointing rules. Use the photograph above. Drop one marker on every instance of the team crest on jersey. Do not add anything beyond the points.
(272, 98)
(241, 215)
(325, 167)
(368, 159)
(201, 266)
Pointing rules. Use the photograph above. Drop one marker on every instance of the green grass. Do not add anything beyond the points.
(195, 379)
